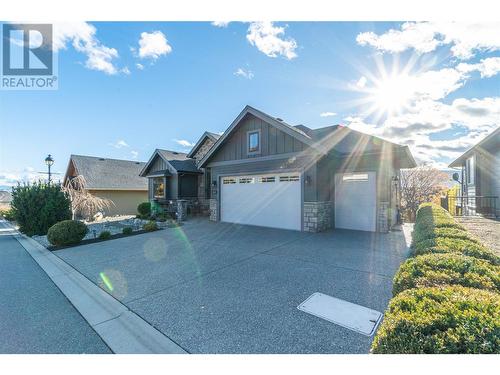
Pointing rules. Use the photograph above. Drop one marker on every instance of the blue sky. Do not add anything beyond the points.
(128, 88)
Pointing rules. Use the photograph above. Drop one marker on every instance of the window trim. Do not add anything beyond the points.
(469, 170)
(259, 139)
(355, 177)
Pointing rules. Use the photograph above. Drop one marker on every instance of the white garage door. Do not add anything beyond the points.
(355, 201)
(270, 200)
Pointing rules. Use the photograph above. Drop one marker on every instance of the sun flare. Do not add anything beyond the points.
(391, 94)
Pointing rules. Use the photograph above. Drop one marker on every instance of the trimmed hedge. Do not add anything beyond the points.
(441, 320)
(453, 245)
(446, 269)
(460, 234)
(67, 232)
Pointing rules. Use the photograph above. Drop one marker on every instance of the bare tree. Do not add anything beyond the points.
(419, 185)
(82, 202)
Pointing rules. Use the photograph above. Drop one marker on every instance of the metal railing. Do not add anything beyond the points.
(473, 205)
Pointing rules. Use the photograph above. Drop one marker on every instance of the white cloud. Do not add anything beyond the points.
(12, 177)
(269, 40)
(119, 144)
(245, 73)
(139, 66)
(475, 117)
(135, 154)
(220, 23)
(183, 143)
(327, 114)
(82, 37)
(464, 39)
(361, 82)
(486, 67)
(153, 45)
(125, 70)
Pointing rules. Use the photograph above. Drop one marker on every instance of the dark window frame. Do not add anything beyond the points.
(155, 183)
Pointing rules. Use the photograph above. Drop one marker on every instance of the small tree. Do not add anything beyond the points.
(82, 202)
(38, 206)
(419, 185)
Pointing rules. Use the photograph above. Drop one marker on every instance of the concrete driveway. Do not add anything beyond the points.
(222, 288)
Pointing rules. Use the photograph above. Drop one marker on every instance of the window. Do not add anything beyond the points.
(227, 181)
(289, 178)
(254, 142)
(158, 187)
(246, 180)
(267, 179)
(469, 170)
(355, 177)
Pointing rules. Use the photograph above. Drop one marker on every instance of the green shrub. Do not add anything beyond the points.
(446, 269)
(105, 235)
(127, 230)
(144, 209)
(441, 320)
(67, 232)
(150, 226)
(454, 245)
(443, 232)
(38, 206)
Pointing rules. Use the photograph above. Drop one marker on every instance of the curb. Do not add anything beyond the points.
(120, 328)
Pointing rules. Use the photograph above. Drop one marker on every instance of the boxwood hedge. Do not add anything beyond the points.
(454, 245)
(456, 233)
(441, 320)
(446, 269)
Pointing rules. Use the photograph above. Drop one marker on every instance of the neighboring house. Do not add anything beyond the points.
(5, 199)
(480, 177)
(266, 172)
(117, 180)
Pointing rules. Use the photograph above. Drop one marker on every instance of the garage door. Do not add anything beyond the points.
(355, 201)
(270, 200)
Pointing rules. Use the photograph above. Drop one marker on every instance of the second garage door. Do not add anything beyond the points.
(270, 200)
(355, 201)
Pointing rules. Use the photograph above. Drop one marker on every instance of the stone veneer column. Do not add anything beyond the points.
(213, 209)
(383, 217)
(317, 216)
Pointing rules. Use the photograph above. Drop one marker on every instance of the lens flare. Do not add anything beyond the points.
(106, 281)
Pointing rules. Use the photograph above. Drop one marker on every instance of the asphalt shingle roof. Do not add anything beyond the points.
(179, 161)
(104, 173)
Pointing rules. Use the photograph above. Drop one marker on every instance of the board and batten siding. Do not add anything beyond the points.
(273, 141)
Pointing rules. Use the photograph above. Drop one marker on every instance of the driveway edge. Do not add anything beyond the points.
(121, 329)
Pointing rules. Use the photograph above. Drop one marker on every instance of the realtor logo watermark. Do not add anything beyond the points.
(28, 59)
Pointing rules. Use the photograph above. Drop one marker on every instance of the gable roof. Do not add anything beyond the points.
(178, 161)
(108, 174)
(212, 136)
(342, 140)
(492, 141)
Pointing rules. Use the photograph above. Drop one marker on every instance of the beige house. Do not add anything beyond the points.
(117, 180)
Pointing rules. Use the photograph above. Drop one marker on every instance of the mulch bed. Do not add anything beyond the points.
(95, 240)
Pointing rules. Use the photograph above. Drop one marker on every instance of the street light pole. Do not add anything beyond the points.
(49, 161)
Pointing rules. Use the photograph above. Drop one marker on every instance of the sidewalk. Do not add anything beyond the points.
(35, 317)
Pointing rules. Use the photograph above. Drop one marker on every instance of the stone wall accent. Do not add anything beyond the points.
(207, 145)
(213, 210)
(317, 216)
(383, 217)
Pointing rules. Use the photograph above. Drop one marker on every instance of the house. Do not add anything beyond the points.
(117, 180)
(263, 171)
(480, 177)
(175, 176)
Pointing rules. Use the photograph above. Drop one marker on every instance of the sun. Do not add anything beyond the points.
(391, 94)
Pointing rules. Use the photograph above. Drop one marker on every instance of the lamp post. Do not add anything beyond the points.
(49, 161)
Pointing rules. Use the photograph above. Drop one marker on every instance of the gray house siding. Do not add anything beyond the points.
(273, 141)
(171, 186)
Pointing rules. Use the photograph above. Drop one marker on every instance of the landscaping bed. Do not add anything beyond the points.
(95, 240)
(446, 297)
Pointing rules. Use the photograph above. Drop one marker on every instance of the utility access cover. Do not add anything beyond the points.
(346, 314)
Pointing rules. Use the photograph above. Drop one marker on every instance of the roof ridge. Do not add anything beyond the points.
(106, 158)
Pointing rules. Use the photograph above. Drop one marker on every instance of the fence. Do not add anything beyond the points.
(475, 205)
